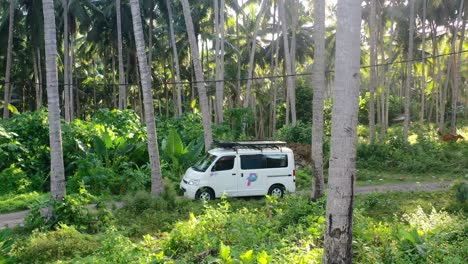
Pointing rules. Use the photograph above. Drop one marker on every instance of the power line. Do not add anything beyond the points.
(157, 82)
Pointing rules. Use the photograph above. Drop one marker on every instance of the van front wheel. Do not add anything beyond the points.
(276, 190)
(204, 194)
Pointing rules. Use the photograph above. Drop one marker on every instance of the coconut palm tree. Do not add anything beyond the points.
(342, 171)
(7, 92)
(175, 58)
(373, 70)
(57, 172)
(198, 75)
(146, 83)
(409, 80)
(317, 105)
(122, 85)
(291, 98)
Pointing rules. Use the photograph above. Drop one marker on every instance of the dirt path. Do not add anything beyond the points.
(14, 219)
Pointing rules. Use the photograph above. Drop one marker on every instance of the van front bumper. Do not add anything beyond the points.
(188, 191)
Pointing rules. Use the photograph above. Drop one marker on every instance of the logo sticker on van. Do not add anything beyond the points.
(252, 177)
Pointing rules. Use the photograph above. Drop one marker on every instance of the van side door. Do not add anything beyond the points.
(252, 178)
(223, 176)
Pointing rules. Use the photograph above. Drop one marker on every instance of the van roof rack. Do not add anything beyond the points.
(251, 144)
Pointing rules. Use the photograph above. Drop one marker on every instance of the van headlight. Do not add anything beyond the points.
(193, 182)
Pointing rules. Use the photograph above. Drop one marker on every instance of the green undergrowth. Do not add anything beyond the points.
(16, 202)
(415, 227)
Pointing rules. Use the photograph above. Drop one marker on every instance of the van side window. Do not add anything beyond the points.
(251, 162)
(224, 163)
(276, 161)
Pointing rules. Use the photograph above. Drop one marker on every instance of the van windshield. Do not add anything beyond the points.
(204, 163)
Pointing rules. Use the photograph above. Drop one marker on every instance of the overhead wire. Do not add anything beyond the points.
(252, 78)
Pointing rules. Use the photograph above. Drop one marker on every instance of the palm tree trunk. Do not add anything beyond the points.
(423, 65)
(287, 60)
(57, 171)
(122, 85)
(156, 176)
(198, 75)
(373, 70)
(39, 66)
(457, 81)
(37, 83)
(7, 92)
(449, 68)
(342, 172)
(409, 80)
(175, 57)
(318, 186)
(70, 77)
(252, 52)
(66, 61)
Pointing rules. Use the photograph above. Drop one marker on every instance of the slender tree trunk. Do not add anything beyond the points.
(66, 64)
(122, 85)
(198, 75)
(219, 58)
(457, 81)
(114, 90)
(342, 172)
(449, 68)
(409, 80)
(252, 52)
(175, 57)
(318, 186)
(39, 66)
(156, 176)
(373, 70)
(70, 77)
(7, 89)
(239, 59)
(37, 83)
(423, 65)
(57, 171)
(287, 60)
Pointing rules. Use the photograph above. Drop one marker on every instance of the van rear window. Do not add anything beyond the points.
(261, 161)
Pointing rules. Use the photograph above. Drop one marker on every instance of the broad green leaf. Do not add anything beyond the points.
(13, 109)
(247, 257)
(174, 145)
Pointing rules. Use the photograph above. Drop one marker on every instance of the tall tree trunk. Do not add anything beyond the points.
(449, 68)
(273, 72)
(373, 70)
(318, 186)
(175, 58)
(409, 80)
(57, 171)
(287, 60)
(457, 81)
(342, 172)
(7, 89)
(198, 75)
(219, 58)
(252, 52)
(150, 41)
(114, 90)
(156, 176)
(39, 68)
(37, 83)
(122, 84)
(423, 65)
(66, 63)
(70, 77)
(239, 59)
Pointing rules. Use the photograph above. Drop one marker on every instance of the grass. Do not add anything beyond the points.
(17, 202)
(387, 206)
(373, 177)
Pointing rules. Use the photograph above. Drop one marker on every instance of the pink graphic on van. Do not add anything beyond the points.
(252, 177)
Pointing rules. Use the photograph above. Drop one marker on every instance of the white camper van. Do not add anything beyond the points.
(248, 168)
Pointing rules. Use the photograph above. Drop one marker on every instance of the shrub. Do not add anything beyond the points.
(62, 244)
(301, 133)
